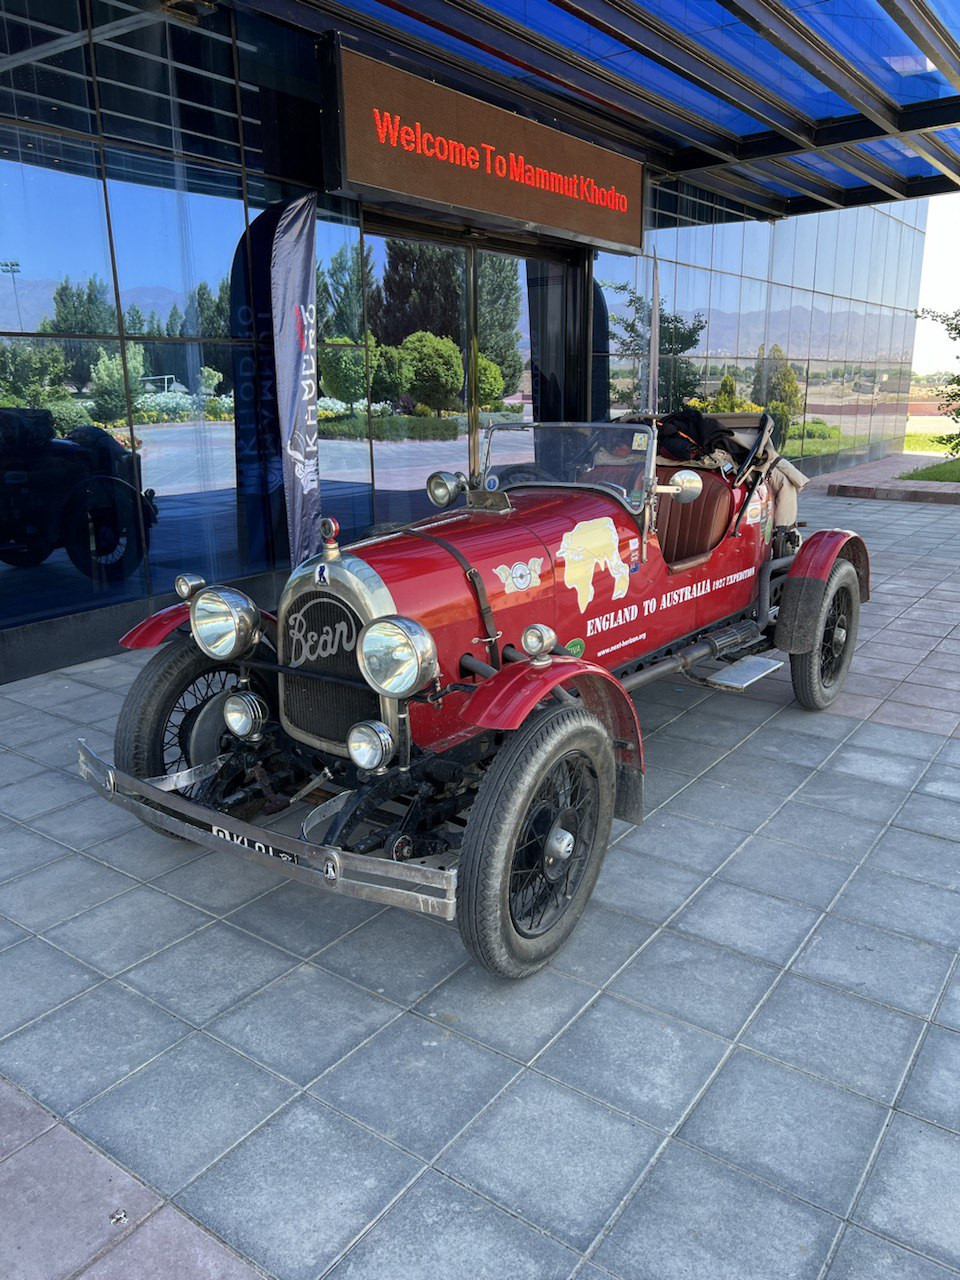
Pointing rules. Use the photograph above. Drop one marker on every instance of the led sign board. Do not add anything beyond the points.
(405, 138)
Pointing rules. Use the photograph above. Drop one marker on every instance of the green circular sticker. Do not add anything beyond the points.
(575, 647)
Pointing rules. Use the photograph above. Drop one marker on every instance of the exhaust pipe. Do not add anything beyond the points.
(737, 636)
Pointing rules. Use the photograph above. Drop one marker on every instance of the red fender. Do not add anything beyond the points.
(154, 630)
(821, 550)
(806, 582)
(505, 700)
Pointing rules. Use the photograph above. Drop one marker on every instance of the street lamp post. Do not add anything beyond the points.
(11, 268)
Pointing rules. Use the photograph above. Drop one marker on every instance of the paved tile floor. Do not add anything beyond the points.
(745, 1065)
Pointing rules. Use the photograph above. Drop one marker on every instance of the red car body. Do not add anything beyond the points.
(645, 608)
(481, 785)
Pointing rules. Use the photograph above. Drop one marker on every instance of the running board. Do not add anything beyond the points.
(741, 674)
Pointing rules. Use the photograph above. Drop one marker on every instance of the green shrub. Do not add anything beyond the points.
(210, 379)
(391, 378)
(818, 429)
(422, 411)
(342, 369)
(109, 387)
(426, 429)
(31, 372)
(343, 429)
(950, 442)
(489, 380)
(394, 427)
(436, 369)
(68, 414)
(726, 399)
(781, 415)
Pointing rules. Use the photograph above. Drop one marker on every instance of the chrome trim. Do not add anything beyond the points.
(424, 889)
(187, 777)
(245, 616)
(347, 578)
(188, 584)
(388, 745)
(424, 646)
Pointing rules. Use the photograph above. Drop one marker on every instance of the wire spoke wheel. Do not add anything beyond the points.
(819, 673)
(184, 714)
(172, 717)
(554, 845)
(535, 840)
(836, 630)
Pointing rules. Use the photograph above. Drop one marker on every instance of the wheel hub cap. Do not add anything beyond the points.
(559, 846)
(839, 637)
(207, 729)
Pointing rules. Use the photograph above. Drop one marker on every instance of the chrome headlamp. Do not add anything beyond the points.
(370, 745)
(445, 487)
(397, 656)
(538, 639)
(245, 714)
(188, 584)
(225, 622)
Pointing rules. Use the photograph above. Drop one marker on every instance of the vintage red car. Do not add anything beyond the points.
(444, 709)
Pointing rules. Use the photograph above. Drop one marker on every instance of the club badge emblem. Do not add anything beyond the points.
(519, 576)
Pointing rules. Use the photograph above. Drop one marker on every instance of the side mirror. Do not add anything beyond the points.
(445, 487)
(684, 486)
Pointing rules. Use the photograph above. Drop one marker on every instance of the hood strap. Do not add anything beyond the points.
(479, 591)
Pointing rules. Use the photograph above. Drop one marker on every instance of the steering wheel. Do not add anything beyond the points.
(524, 473)
(591, 443)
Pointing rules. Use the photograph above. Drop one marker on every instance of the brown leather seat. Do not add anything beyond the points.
(689, 532)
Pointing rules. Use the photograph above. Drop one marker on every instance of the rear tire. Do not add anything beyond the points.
(535, 841)
(818, 675)
(102, 530)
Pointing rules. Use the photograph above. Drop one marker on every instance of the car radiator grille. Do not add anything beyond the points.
(319, 633)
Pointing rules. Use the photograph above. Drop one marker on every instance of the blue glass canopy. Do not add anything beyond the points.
(779, 106)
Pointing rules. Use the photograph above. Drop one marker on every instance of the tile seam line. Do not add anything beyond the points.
(109, 1247)
(894, 1106)
(77, 854)
(204, 1029)
(608, 1227)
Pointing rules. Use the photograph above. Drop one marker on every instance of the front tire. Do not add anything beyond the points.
(535, 840)
(818, 675)
(171, 718)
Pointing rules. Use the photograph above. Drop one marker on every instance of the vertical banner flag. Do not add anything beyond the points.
(293, 284)
(653, 364)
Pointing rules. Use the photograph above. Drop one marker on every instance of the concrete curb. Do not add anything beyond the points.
(936, 491)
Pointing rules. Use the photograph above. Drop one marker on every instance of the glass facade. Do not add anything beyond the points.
(142, 162)
(811, 317)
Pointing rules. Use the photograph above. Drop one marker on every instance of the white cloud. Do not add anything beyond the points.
(939, 285)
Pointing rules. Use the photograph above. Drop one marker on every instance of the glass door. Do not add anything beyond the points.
(416, 312)
(460, 336)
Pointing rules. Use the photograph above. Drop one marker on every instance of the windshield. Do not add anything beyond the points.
(614, 454)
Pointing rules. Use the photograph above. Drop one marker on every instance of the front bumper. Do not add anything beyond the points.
(429, 890)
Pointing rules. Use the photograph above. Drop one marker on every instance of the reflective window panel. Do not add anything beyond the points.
(76, 515)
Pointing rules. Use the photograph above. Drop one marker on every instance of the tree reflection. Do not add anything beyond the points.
(678, 378)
